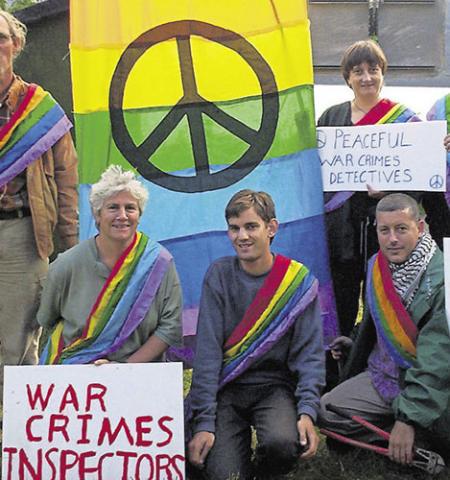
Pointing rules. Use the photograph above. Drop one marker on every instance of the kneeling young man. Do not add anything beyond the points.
(259, 359)
(398, 372)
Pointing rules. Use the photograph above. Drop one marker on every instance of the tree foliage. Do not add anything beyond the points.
(13, 5)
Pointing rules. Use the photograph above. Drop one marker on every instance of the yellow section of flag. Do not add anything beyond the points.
(101, 30)
(96, 23)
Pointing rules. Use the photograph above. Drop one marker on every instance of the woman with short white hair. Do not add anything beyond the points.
(116, 296)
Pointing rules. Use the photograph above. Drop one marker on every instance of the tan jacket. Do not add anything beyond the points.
(52, 188)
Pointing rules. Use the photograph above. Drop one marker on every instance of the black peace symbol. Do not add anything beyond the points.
(436, 181)
(193, 105)
(321, 138)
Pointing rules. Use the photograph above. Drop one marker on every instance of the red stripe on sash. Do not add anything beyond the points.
(404, 319)
(16, 115)
(377, 112)
(261, 300)
(113, 273)
(60, 347)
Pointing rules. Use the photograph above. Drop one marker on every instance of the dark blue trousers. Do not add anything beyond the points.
(271, 410)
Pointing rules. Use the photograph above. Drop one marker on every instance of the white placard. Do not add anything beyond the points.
(447, 278)
(116, 421)
(395, 156)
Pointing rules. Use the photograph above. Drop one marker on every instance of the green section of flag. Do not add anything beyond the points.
(295, 131)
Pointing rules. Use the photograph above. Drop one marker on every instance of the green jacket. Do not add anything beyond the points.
(425, 395)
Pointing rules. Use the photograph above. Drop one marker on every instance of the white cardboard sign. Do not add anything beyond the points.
(116, 421)
(388, 157)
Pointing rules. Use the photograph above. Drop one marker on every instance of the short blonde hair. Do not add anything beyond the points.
(17, 30)
(115, 180)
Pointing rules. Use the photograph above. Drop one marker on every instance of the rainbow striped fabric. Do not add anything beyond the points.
(391, 318)
(37, 124)
(441, 111)
(120, 307)
(203, 99)
(385, 111)
(287, 291)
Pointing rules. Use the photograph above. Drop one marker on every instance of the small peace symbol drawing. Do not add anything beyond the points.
(194, 106)
(321, 139)
(436, 181)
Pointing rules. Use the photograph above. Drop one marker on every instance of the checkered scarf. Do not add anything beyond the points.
(406, 276)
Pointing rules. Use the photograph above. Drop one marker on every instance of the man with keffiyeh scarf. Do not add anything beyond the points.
(397, 374)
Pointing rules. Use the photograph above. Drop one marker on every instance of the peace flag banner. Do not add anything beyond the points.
(203, 99)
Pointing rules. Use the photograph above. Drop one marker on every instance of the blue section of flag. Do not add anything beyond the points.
(302, 240)
(438, 112)
(193, 227)
(439, 107)
(294, 182)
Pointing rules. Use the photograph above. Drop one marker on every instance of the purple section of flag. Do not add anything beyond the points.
(328, 312)
(337, 200)
(190, 316)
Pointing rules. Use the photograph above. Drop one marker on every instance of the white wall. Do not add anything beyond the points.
(419, 99)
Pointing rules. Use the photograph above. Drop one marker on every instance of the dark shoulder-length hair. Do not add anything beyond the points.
(364, 51)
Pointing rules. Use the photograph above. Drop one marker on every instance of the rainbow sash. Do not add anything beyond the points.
(385, 111)
(37, 124)
(120, 307)
(287, 291)
(391, 318)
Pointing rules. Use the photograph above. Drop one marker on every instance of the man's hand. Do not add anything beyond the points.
(199, 447)
(308, 436)
(101, 361)
(339, 346)
(401, 443)
(447, 142)
(376, 194)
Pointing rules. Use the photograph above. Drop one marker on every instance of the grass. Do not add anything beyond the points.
(356, 465)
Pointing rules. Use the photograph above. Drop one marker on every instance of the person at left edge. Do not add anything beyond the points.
(437, 203)
(259, 359)
(116, 296)
(441, 220)
(38, 179)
